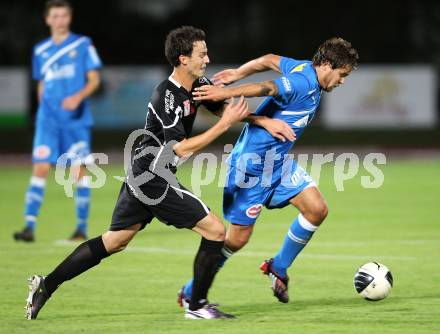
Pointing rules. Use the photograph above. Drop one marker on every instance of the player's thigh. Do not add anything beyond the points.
(173, 204)
(76, 143)
(290, 185)
(211, 228)
(242, 204)
(46, 143)
(129, 211)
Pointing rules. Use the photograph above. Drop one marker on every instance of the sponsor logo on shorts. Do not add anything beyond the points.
(41, 152)
(254, 210)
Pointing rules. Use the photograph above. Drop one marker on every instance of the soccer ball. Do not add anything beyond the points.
(373, 281)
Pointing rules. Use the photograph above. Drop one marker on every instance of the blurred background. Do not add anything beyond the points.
(391, 101)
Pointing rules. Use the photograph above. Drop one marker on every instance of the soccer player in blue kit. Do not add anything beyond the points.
(261, 173)
(65, 66)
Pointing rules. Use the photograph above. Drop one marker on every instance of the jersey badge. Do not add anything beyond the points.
(298, 68)
(72, 54)
(186, 108)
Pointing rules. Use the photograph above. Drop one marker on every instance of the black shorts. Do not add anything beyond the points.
(179, 208)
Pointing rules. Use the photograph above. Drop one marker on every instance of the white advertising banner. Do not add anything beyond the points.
(14, 96)
(383, 97)
(13, 90)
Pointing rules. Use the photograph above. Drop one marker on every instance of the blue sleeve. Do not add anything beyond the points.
(290, 87)
(36, 68)
(93, 62)
(287, 65)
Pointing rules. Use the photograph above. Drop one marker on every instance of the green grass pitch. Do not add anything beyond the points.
(397, 224)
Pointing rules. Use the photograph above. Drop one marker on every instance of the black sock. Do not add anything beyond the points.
(206, 266)
(84, 257)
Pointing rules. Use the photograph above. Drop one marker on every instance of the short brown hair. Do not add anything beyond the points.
(180, 41)
(56, 4)
(337, 52)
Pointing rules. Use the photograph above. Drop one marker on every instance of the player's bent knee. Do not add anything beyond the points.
(41, 170)
(316, 213)
(114, 243)
(320, 212)
(216, 231)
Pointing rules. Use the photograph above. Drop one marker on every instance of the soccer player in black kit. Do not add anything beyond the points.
(151, 188)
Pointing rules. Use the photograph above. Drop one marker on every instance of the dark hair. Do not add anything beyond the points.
(56, 4)
(180, 41)
(337, 52)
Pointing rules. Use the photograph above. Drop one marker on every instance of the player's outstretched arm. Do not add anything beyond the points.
(217, 93)
(261, 64)
(276, 127)
(233, 113)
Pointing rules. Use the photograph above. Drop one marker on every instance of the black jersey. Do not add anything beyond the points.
(170, 118)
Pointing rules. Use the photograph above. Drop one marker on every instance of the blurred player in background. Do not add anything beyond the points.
(65, 65)
(293, 98)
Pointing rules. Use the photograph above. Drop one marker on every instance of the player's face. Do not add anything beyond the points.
(199, 59)
(336, 77)
(58, 19)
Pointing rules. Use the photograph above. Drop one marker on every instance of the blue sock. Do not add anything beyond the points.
(226, 252)
(34, 198)
(299, 234)
(82, 202)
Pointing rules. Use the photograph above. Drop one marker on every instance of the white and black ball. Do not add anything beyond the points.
(373, 281)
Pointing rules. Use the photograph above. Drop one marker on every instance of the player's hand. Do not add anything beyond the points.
(278, 129)
(235, 112)
(211, 93)
(226, 77)
(72, 102)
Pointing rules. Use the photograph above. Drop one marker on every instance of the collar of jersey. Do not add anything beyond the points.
(70, 37)
(316, 76)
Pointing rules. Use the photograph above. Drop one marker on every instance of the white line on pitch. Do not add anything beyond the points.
(174, 251)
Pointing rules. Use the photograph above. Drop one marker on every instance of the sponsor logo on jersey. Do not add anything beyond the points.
(286, 84)
(41, 152)
(254, 210)
(169, 101)
(60, 72)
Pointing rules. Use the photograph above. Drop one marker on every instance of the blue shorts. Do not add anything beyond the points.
(51, 141)
(242, 204)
